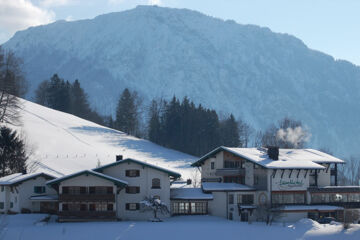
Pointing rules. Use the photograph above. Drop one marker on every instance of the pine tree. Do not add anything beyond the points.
(230, 132)
(12, 152)
(154, 123)
(126, 113)
(79, 101)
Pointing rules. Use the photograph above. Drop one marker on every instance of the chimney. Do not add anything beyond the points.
(273, 152)
(188, 182)
(119, 157)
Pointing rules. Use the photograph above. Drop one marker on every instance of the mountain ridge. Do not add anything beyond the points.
(248, 70)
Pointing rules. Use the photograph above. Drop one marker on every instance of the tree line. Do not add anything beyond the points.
(58, 94)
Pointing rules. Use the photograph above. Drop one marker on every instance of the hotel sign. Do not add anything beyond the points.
(291, 183)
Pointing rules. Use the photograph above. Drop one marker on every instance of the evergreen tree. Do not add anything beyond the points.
(12, 152)
(126, 113)
(230, 132)
(79, 101)
(154, 124)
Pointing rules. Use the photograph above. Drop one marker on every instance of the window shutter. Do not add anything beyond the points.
(127, 206)
(127, 173)
(137, 206)
(137, 173)
(137, 189)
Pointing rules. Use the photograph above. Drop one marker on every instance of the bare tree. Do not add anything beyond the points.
(245, 133)
(12, 85)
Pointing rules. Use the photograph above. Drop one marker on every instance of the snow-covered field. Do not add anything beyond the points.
(183, 227)
(63, 143)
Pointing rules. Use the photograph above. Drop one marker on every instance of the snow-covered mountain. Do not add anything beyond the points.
(62, 143)
(250, 71)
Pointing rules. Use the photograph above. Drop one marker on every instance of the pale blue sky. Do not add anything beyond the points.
(331, 26)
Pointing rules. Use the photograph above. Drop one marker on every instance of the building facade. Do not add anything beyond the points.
(113, 191)
(293, 183)
(21, 192)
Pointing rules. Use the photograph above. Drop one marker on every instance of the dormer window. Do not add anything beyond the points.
(212, 165)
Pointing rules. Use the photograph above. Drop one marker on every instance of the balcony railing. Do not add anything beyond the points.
(87, 197)
(87, 215)
(230, 171)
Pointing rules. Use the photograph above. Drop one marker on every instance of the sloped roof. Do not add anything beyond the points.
(288, 158)
(93, 173)
(171, 173)
(18, 178)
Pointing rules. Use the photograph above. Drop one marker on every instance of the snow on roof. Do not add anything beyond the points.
(189, 194)
(44, 198)
(215, 186)
(116, 180)
(171, 173)
(19, 177)
(288, 158)
(181, 184)
(310, 208)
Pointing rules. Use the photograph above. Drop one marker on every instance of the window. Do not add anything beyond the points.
(11, 204)
(100, 190)
(132, 173)
(212, 165)
(92, 207)
(65, 190)
(156, 197)
(247, 199)
(288, 198)
(2, 188)
(132, 190)
(234, 179)
(230, 216)
(83, 207)
(100, 207)
(65, 207)
(231, 198)
(155, 183)
(110, 207)
(39, 189)
(1, 205)
(132, 206)
(75, 190)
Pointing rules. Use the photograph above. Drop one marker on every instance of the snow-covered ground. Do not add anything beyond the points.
(183, 227)
(63, 143)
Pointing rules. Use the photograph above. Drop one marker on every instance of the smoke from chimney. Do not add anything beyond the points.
(295, 136)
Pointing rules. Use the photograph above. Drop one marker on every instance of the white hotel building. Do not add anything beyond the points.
(296, 183)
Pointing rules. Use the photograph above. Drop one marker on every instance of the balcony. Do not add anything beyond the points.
(230, 171)
(87, 215)
(87, 197)
(342, 196)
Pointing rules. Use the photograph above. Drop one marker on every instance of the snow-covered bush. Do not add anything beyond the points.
(155, 205)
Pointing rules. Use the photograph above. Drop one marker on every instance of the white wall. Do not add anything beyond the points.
(20, 195)
(144, 181)
(217, 207)
(324, 177)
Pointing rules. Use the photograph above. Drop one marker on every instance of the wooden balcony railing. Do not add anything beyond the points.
(87, 215)
(87, 197)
